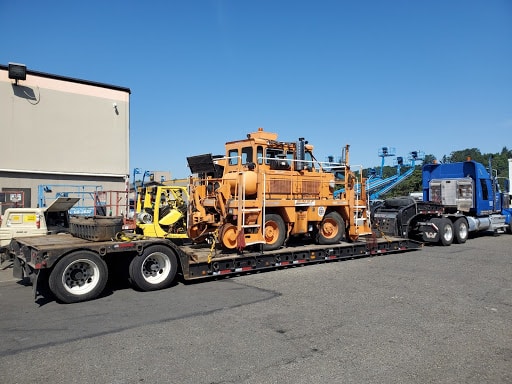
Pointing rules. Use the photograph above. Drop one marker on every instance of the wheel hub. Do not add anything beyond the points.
(328, 229)
(77, 276)
(152, 268)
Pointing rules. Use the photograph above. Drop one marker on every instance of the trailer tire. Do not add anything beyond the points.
(274, 232)
(461, 230)
(79, 276)
(154, 269)
(332, 229)
(446, 232)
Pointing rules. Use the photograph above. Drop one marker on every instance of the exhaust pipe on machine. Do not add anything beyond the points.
(301, 154)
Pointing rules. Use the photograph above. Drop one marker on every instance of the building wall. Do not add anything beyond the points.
(59, 130)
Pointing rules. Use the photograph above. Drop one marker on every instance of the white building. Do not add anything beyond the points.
(60, 134)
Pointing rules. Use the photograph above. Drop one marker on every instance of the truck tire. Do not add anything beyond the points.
(461, 230)
(332, 229)
(153, 270)
(274, 232)
(446, 232)
(79, 276)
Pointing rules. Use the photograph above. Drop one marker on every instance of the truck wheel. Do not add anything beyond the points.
(445, 230)
(154, 269)
(79, 276)
(274, 232)
(331, 229)
(461, 230)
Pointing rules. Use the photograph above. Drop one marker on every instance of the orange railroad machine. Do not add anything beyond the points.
(264, 192)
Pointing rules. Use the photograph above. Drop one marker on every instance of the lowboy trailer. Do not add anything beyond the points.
(77, 269)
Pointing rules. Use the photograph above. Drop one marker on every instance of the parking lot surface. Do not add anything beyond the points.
(437, 315)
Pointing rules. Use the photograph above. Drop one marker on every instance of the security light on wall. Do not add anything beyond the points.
(17, 72)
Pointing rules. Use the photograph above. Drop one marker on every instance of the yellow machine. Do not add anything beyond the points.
(161, 211)
(264, 191)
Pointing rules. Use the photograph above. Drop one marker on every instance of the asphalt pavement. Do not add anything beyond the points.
(6, 273)
(437, 315)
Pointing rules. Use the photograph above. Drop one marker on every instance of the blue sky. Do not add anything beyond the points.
(434, 76)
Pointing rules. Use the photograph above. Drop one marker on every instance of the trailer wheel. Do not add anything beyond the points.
(446, 232)
(331, 229)
(154, 269)
(461, 230)
(79, 276)
(274, 232)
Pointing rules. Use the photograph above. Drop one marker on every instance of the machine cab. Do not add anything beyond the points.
(262, 152)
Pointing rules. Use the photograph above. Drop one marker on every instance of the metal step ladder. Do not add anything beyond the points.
(243, 210)
(360, 212)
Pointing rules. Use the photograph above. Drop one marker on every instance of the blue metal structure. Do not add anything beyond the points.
(376, 185)
(86, 206)
(380, 187)
(383, 153)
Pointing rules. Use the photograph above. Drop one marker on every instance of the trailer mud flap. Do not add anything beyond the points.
(39, 279)
(17, 269)
(35, 279)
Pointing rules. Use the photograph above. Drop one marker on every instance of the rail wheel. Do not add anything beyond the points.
(79, 276)
(198, 232)
(274, 232)
(154, 269)
(461, 230)
(446, 232)
(228, 236)
(332, 229)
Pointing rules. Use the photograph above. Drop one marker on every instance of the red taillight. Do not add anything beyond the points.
(38, 222)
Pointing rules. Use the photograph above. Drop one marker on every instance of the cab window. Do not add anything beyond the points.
(308, 158)
(259, 154)
(247, 155)
(233, 156)
(272, 154)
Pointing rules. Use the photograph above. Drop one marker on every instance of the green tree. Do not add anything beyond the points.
(473, 153)
(429, 159)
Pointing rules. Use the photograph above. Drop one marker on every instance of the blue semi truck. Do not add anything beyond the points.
(458, 199)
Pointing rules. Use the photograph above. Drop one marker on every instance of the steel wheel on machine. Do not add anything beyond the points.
(154, 269)
(332, 229)
(274, 232)
(446, 232)
(461, 230)
(79, 276)
(228, 236)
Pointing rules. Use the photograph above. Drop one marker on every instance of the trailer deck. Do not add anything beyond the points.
(201, 261)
